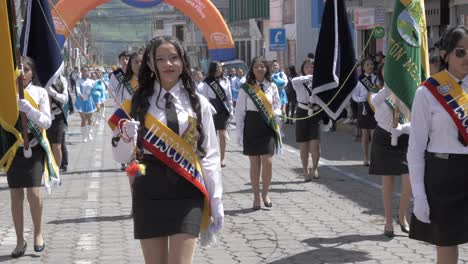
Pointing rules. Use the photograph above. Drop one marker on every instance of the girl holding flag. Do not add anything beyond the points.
(257, 106)
(177, 188)
(27, 172)
(438, 152)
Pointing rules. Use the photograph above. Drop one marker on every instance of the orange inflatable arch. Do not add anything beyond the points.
(202, 12)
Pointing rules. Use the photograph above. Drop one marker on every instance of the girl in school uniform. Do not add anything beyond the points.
(438, 152)
(259, 140)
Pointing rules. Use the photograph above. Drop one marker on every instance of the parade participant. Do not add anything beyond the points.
(388, 160)
(365, 115)
(58, 98)
(240, 81)
(84, 104)
(281, 80)
(98, 97)
(438, 152)
(434, 64)
(27, 172)
(172, 200)
(258, 104)
(291, 94)
(74, 76)
(128, 82)
(116, 76)
(197, 76)
(307, 130)
(233, 83)
(217, 90)
(379, 58)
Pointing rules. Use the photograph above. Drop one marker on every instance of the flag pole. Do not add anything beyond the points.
(19, 82)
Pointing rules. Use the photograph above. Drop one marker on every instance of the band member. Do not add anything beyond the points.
(258, 104)
(84, 104)
(281, 80)
(366, 120)
(26, 173)
(389, 160)
(308, 129)
(438, 152)
(58, 98)
(174, 132)
(217, 90)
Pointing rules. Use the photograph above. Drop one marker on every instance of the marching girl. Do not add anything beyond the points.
(387, 159)
(217, 90)
(128, 82)
(281, 80)
(97, 95)
(438, 152)
(176, 143)
(258, 104)
(366, 120)
(84, 104)
(26, 173)
(307, 130)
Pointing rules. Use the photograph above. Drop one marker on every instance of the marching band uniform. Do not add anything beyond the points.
(223, 109)
(437, 159)
(84, 102)
(256, 136)
(27, 172)
(306, 129)
(164, 203)
(365, 115)
(386, 159)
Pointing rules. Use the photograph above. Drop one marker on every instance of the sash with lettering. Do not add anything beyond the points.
(220, 95)
(174, 151)
(453, 99)
(265, 108)
(129, 86)
(51, 170)
(371, 88)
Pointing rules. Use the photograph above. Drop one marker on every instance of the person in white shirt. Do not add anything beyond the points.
(167, 208)
(307, 130)
(26, 173)
(366, 120)
(217, 90)
(438, 152)
(254, 134)
(84, 104)
(389, 160)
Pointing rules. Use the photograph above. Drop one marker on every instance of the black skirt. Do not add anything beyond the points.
(221, 117)
(259, 138)
(386, 159)
(27, 172)
(307, 129)
(365, 117)
(56, 131)
(446, 182)
(164, 203)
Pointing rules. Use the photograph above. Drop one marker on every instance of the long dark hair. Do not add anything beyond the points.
(250, 79)
(128, 75)
(364, 62)
(449, 42)
(146, 79)
(292, 71)
(212, 69)
(30, 62)
(307, 60)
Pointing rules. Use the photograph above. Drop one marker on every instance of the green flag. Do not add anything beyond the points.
(407, 61)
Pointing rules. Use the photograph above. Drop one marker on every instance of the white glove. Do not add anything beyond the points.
(25, 107)
(421, 209)
(217, 214)
(396, 131)
(130, 128)
(51, 91)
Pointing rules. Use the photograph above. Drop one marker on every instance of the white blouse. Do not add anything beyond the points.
(84, 87)
(42, 116)
(244, 103)
(206, 91)
(383, 113)
(302, 94)
(361, 92)
(432, 129)
(211, 162)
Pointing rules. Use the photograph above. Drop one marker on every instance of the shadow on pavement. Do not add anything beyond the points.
(275, 190)
(91, 219)
(91, 171)
(9, 258)
(327, 250)
(239, 212)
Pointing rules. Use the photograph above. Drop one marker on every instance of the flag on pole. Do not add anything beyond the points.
(334, 74)
(38, 42)
(407, 61)
(10, 137)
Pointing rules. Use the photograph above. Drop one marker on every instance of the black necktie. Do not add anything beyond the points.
(261, 87)
(171, 114)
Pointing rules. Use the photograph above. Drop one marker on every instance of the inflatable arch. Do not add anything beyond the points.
(202, 12)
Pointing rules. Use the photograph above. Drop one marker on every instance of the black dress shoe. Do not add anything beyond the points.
(39, 248)
(389, 233)
(19, 253)
(269, 204)
(404, 229)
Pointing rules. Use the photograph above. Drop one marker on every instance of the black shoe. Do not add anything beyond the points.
(17, 254)
(404, 228)
(389, 233)
(39, 248)
(63, 169)
(123, 167)
(269, 204)
(223, 165)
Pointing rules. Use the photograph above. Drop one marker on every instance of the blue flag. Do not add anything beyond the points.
(334, 60)
(38, 41)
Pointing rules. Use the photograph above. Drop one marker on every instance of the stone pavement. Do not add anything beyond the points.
(337, 219)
